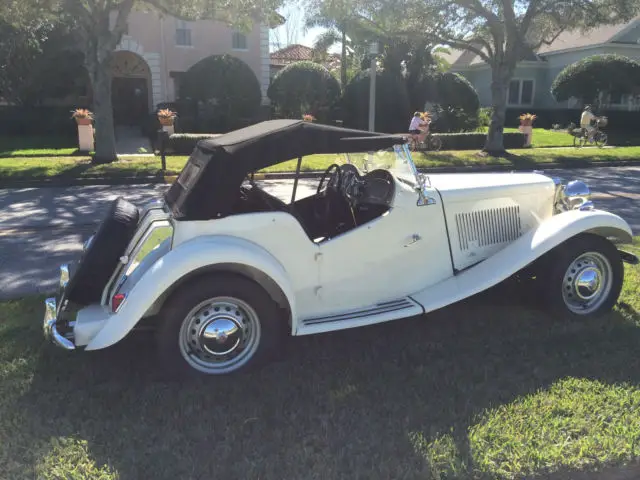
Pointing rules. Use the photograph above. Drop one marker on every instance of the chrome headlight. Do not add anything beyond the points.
(575, 195)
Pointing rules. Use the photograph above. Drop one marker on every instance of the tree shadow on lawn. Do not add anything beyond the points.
(339, 405)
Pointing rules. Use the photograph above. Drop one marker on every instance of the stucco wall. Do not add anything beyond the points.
(154, 37)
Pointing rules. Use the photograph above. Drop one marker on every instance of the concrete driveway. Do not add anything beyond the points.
(40, 228)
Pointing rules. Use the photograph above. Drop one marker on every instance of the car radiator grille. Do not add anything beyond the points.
(488, 227)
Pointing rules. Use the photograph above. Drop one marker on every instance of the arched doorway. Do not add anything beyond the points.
(130, 92)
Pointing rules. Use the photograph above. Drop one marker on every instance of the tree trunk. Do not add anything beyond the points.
(343, 59)
(499, 83)
(105, 139)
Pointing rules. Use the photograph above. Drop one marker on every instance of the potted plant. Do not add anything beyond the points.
(526, 126)
(82, 116)
(166, 117)
(526, 119)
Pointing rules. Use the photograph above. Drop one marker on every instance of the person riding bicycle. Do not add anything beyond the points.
(586, 120)
(419, 127)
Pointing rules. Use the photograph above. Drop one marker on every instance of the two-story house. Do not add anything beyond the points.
(157, 49)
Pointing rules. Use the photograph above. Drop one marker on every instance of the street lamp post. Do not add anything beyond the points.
(373, 51)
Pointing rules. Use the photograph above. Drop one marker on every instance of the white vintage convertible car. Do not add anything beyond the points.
(224, 271)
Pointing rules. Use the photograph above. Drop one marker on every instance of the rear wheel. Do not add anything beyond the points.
(220, 325)
(583, 277)
(435, 143)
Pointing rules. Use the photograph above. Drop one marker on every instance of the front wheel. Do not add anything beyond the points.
(601, 139)
(220, 325)
(579, 141)
(584, 277)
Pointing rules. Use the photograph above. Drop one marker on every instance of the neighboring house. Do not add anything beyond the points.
(157, 50)
(297, 53)
(531, 83)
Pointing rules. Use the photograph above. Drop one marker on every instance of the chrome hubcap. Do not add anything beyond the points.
(587, 283)
(219, 335)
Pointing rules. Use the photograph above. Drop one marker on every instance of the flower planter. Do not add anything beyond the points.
(528, 133)
(83, 121)
(166, 122)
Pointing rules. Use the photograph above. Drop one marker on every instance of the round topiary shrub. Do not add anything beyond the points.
(225, 90)
(304, 87)
(456, 91)
(588, 77)
(392, 103)
(455, 102)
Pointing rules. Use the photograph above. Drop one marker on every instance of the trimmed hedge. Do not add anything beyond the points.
(392, 103)
(304, 87)
(585, 78)
(223, 93)
(21, 121)
(184, 143)
(619, 121)
(475, 140)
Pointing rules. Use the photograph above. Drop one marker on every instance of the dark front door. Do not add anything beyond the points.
(130, 100)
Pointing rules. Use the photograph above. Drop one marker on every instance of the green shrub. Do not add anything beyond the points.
(304, 87)
(476, 140)
(484, 118)
(184, 143)
(225, 90)
(392, 103)
(23, 121)
(454, 119)
(588, 77)
(455, 101)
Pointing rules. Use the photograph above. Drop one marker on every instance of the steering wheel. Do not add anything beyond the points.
(335, 178)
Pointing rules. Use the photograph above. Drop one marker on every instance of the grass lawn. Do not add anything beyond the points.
(37, 146)
(73, 167)
(489, 388)
(547, 138)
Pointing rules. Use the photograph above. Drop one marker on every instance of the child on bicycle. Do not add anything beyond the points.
(419, 127)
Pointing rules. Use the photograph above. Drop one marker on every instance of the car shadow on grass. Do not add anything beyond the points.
(347, 404)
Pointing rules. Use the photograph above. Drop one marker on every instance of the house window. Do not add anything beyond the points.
(520, 92)
(183, 34)
(239, 41)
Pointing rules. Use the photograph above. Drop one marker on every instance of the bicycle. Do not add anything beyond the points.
(430, 142)
(598, 137)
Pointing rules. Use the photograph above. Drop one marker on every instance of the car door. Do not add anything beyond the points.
(390, 257)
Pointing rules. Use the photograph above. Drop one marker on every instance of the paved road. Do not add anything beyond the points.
(44, 227)
(41, 228)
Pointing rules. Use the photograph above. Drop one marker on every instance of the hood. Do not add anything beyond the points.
(466, 186)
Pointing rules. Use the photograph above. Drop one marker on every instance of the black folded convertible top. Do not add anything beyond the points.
(209, 184)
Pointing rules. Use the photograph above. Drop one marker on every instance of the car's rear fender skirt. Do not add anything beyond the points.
(522, 252)
(199, 256)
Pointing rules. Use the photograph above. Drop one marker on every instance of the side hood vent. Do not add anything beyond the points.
(492, 226)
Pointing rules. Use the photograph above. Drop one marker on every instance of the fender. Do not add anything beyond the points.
(520, 253)
(184, 259)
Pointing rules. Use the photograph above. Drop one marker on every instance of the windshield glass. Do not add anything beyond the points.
(397, 160)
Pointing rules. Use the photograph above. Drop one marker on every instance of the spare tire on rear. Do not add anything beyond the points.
(101, 257)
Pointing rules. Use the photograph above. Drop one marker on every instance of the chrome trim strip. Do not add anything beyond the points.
(49, 326)
(380, 308)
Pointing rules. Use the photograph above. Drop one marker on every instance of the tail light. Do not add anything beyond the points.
(116, 301)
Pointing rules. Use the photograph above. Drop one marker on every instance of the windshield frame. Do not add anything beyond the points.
(403, 159)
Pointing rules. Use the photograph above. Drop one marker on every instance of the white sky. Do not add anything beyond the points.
(294, 29)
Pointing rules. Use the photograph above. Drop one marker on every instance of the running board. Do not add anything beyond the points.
(380, 312)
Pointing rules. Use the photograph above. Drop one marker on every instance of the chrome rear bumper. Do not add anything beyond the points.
(51, 313)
